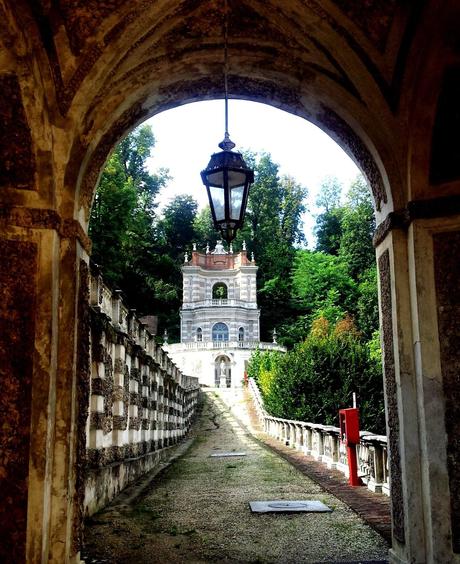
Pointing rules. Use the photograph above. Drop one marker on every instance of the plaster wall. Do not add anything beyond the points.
(202, 363)
(103, 484)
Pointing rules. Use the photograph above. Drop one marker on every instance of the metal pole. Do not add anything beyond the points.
(226, 66)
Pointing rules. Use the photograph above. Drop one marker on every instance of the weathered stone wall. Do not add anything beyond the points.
(17, 280)
(140, 402)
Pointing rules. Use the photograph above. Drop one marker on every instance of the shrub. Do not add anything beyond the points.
(318, 377)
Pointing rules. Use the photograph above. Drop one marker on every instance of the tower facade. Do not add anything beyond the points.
(219, 298)
(219, 317)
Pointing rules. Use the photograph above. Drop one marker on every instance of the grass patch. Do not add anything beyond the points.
(174, 531)
(344, 527)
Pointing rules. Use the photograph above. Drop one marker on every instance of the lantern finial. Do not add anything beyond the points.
(227, 144)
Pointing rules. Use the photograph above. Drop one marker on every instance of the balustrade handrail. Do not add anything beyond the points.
(204, 345)
(230, 302)
(364, 435)
(324, 443)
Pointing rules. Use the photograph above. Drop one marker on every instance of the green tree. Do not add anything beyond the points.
(114, 203)
(328, 228)
(318, 377)
(122, 224)
(321, 287)
(321, 280)
(205, 232)
(177, 226)
(273, 227)
(367, 310)
(330, 194)
(358, 226)
(328, 231)
(133, 152)
(292, 209)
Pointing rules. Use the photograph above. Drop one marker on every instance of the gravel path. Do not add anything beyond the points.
(197, 510)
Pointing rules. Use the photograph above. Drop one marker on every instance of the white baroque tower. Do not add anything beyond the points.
(219, 317)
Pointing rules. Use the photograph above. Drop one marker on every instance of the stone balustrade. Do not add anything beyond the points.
(323, 443)
(141, 404)
(206, 345)
(224, 302)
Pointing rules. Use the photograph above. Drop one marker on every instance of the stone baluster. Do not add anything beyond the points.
(287, 433)
(154, 412)
(299, 436)
(386, 477)
(332, 436)
(268, 426)
(308, 441)
(375, 463)
(318, 449)
(116, 309)
(293, 434)
(145, 399)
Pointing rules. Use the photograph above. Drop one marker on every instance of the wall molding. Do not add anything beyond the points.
(417, 209)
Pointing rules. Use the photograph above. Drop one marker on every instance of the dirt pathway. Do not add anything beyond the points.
(197, 510)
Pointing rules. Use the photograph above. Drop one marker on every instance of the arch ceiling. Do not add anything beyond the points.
(106, 65)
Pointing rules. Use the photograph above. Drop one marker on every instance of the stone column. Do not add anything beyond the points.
(419, 272)
(44, 368)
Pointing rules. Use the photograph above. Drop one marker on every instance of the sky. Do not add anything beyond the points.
(186, 137)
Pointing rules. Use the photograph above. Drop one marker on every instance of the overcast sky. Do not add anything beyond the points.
(186, 136)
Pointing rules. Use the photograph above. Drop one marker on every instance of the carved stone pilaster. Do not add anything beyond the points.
(397, 502)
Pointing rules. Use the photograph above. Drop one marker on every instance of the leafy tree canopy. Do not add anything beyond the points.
(205, 234)
(273, 227)
(123, 212)
(177, 226)
(330, 194)
(319, 279)
(358, 226)
(318, 377)
(328, 228)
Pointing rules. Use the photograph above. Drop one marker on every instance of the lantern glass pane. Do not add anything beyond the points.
(215, 178)
(218, 202)
(236, 178)
(236, 201)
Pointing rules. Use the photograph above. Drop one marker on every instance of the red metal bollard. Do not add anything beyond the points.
(349, 435)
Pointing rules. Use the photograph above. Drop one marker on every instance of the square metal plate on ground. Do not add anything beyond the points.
(227, 454)
(283, 506)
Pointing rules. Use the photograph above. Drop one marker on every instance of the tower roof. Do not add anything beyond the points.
(220, 259)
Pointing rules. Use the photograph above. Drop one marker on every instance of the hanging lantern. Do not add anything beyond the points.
(227, 177)
(227, 180)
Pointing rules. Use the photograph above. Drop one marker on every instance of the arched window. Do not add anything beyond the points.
(219, 291)
(241, 334)
(220, 332)
(199, 334)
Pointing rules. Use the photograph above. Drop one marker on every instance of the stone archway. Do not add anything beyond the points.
(381, 80)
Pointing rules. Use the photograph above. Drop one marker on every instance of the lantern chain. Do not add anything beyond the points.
(226, 66)
(227, 144)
